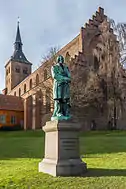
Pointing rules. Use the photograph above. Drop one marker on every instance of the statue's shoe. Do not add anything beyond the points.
(67, 117)
(60, 117)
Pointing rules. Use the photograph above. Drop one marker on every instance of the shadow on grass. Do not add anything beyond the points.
(97, 172)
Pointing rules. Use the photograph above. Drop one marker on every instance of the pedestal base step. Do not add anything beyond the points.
(69, 167)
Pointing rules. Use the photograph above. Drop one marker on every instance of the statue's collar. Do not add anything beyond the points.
(61, 67)
(60, 64)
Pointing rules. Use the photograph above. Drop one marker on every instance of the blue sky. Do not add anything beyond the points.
(47, 23)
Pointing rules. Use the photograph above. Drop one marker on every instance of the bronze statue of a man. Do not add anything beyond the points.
(61, 90)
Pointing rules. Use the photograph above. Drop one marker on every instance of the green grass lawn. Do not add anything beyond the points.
(104, 153)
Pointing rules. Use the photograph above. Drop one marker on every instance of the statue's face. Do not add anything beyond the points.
(60, 59)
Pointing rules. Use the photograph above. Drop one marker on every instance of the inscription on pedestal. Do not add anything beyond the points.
(69, 143)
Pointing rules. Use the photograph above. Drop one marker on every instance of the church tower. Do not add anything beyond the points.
(18, 67)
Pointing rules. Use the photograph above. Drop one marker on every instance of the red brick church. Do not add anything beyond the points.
(34, 90)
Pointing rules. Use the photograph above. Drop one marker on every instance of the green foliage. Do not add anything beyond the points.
(104, 153)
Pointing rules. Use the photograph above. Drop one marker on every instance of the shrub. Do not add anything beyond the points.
(11, 128)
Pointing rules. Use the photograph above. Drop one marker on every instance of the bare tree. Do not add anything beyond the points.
(120, 31)
(50, 55)
(45, 84)
(102, 82)
(114, 50)
(102, 85)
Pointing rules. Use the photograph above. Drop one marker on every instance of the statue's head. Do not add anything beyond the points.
(60, 59)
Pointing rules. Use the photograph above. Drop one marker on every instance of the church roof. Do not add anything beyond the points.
(18, 54)
(8, 102)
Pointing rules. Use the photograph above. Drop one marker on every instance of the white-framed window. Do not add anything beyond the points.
(13, 120)
(2, 118)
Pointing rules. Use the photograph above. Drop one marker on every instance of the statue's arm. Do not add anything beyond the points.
(56, 75)
(68, 77)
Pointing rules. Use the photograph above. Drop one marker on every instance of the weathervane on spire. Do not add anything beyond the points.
(18, 20)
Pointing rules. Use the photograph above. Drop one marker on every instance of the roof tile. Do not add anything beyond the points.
(8, 102)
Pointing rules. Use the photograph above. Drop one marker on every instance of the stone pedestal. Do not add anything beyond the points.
(62, 150)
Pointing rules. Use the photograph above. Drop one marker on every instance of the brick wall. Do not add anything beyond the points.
(80, 53)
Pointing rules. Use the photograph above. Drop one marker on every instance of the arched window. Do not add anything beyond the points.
(96, 63)
(48, 101)
(41, 97)
(45, 74)
(103, 57)
(15, 93)
(104, 88)
(9, 70)
(24, 88)
(67, 57)
(40, 104)
(37, 79)
(25, 70)
(19, 92)
(30, 84)
(17, 69)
